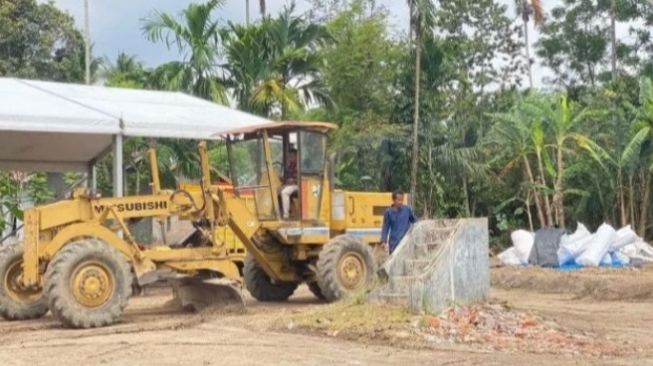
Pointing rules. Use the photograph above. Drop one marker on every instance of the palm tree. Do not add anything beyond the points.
(422, 19)
(127, 72)
(275, 65)
(514, 139)
(526, 9)
(196, 38)
(547, 131)
(635, 151)
(562, 122)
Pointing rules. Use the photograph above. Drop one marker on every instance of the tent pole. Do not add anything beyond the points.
(117, 166)
(91, 179)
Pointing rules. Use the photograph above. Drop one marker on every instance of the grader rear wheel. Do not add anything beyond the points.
(88, 284)
(260, 285)
(16, 302)
(345, 267)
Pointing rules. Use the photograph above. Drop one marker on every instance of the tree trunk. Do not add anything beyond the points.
(558, 190)
(262, 7)
(613, 39)
(622, 199)
(545, 196)
(528, 211)
(536, 195)
(428, 206)
(418, 70)
(643, 215)
(631, 201)
(466, 193)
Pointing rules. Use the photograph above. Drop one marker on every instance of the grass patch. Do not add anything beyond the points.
(352, 316)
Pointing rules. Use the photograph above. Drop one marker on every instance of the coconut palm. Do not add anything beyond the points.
(127, 72)
(195, 36)
(515, 138)
(526, 9)
(274, 66)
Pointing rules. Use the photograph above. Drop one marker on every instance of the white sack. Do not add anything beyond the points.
(523, 241)
(638, 250)
(580, 233)
(606, 260)
(568, 252)
(625, 236)
(593, 253)
(509, 257)
(620, 258)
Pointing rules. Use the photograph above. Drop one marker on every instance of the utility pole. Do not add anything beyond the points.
(526, 11)
(87, 45)
(247, 12)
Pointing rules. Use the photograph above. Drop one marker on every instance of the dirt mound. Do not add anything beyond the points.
(624, 284)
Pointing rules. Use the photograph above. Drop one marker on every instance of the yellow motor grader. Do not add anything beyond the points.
(79, 260)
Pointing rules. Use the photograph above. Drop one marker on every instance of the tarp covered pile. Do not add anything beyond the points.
(550, 247)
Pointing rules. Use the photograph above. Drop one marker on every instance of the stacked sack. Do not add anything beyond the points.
(522, 244)
(606, 246)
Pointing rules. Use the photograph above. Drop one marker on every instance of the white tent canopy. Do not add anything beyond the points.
(69, 123)
(49, 126)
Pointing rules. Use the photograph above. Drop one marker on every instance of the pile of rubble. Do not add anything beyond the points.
(495, 327)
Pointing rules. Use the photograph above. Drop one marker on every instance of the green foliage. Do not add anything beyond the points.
(274, 66)
(576, 45)
(195, 36)
(37, 40)
(582, 150)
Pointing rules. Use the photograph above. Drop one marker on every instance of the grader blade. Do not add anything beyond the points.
(197, 295)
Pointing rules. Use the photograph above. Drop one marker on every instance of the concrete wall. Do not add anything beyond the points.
(459, 275)
(438, 264)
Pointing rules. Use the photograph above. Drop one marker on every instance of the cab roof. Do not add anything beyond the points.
(284, 126)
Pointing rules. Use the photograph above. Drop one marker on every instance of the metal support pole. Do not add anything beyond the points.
(91, 177)
(117, 166)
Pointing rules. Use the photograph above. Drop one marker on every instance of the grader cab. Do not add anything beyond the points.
(80, 261)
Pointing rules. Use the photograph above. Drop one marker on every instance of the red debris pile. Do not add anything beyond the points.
(496, 327)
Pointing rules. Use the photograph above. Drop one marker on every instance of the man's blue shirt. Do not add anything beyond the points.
(396, 222)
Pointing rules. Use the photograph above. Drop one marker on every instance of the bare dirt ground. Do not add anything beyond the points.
(620, 284)
(152, 333)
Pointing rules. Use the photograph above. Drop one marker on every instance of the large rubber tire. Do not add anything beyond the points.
(342, 252)
(17, 303)
(316, 290)
(105, 267)
(260, 285)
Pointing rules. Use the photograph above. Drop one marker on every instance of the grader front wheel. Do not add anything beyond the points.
(260, 285)
(17, 302)
(345, 267)
(88, 284)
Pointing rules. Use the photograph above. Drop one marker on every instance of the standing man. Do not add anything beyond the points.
(396, 221)
(290, 183)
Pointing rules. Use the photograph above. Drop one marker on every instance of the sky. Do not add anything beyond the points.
(116, 24)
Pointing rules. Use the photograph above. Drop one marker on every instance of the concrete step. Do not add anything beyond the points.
(439, 234)
(415, 266)
(393, 298)
(422, 251)
(400, 284)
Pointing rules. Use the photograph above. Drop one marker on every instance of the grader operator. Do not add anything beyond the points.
(80, 261)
